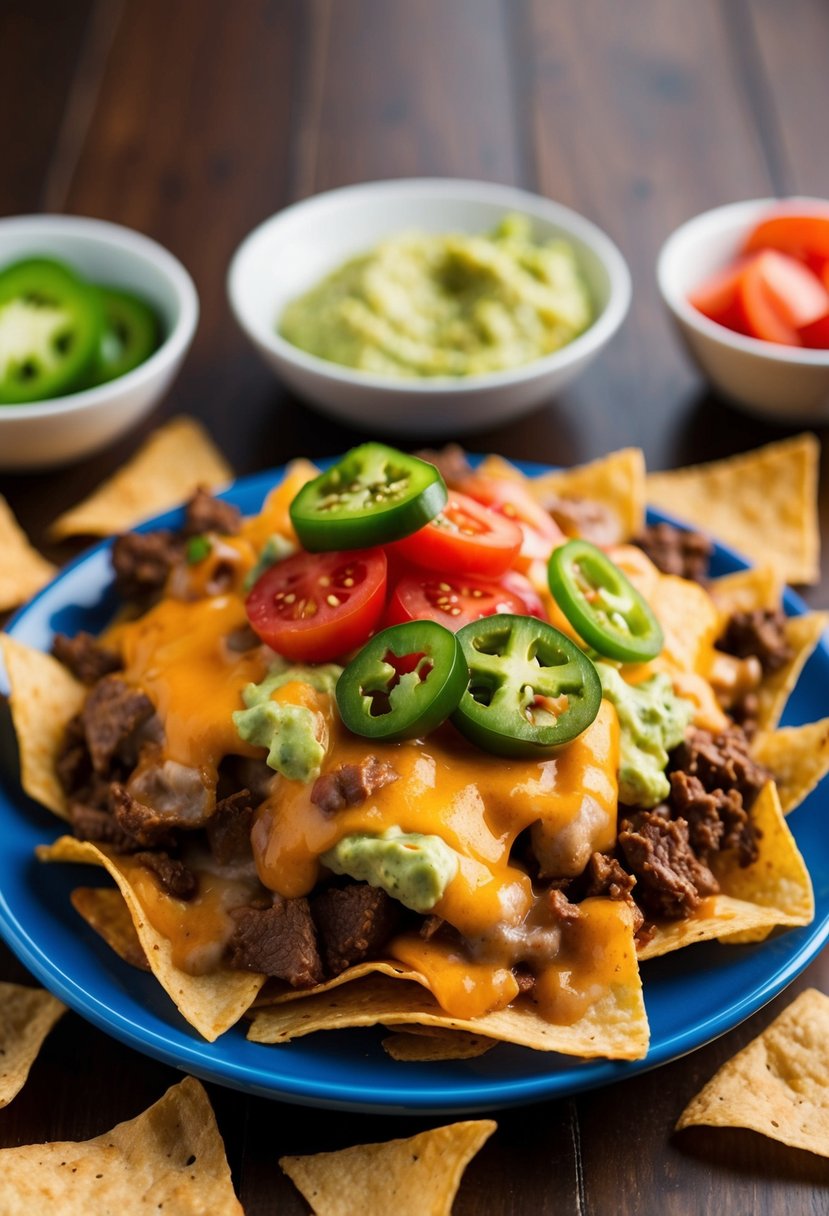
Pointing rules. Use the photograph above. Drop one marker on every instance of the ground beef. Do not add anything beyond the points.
(717, 819)
(204, 513)
(112, 714)
(228, 828)
(606, 876)
(674, 551)
(524, 978)
(722, 762)
(279, 941)
(581, 517)
(85, 657)
(671, 881)
(173, 875)
(353, 923)
(745, 712)
(351, 784)
(146, 827)
(99, 826)
(73, 762)
(561, 907)
(761, 633)
(142, 562)
(451, 463)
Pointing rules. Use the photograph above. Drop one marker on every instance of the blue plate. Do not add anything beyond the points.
(691, 998)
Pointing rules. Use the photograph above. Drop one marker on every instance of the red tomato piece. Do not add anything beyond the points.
(313, 607)
(512, 499)
(716, 297)
(798, 233)
(518, 584)
(451, 601)
(756, 312)
(796, 293)
(816, 335)
(466, 538)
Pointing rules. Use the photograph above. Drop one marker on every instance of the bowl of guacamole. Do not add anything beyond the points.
(428, 307)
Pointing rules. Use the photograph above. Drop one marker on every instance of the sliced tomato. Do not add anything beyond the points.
(540, 532)
(798, 233)
(796, 293)
(465, 538)
(816, 335)
(313, 607)
(518, 584)
(756, 312)
(716, 296)
(450, 600)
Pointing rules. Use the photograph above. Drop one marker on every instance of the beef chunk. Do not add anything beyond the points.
(173, 875)
(351, 784)
(144, 826)
(717, 819)
(605, 876)
(560, 906)
(584, 518)
(722, 762)
(745, 712)
(524, 978)
(113, 713)
(353, 923)
(142, 562)
(73, 763)
(761, 633)
(671, 881)
(674, 551)
(450, 462)
(204, 513)
(228, 828)
(100, 827)
(279, 941)
(85, 657)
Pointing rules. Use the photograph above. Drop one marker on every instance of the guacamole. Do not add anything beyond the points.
(428, 304)
(652, 721)
(286, 730)
(414, 869)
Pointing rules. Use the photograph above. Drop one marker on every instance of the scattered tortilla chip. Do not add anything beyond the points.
(803, 634)
(774, 890)
(779, 1084)
(26, 1017)
(104, 910)
(798, 756)
(415, 1047)
(419, 1176)
(171, 1158)
(44, 696)
(211, 1003)
(763, 503)
(171, 465)
(747, 590)
(22, 569)
(617, 481)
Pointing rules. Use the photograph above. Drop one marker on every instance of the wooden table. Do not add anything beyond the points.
(192, 120)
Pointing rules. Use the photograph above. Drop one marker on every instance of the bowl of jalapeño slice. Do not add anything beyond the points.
(94, 322)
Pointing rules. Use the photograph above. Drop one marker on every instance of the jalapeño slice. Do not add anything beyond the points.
(130, 335)
(602, 604)
(403, 683)
(50, 327)
(531, 689)
(374, 495)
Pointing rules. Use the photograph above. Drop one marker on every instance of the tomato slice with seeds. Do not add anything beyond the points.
(539, 531)
(451, 601)
(465, 538)
(316, 607)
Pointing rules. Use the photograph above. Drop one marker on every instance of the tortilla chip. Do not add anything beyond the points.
(415, 1047)
(763, 503)
(803, 634)
(779, 1084)
(277, 993)
(747, 590)
(798, 756)
(26, 1017)
(774, 890)
(167, 469)
(170, 1158)
(22, 569)
(104, 910)
(419, 1176)
(43, 697)
(210, 1003)
(617, 481)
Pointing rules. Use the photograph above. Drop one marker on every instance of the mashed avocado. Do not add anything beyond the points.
(287, 731)
(427, 304)
(275, 549)
(412, 868)
(653, 721)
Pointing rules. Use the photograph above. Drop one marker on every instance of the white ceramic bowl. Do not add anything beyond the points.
(789, 383)
(47, 433)
(294, 249)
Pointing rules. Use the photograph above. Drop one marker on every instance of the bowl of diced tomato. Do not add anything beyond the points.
(747, 286)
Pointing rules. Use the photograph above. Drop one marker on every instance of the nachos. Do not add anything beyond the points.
(437, 747)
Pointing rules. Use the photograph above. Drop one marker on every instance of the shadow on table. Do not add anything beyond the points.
(736, 1150)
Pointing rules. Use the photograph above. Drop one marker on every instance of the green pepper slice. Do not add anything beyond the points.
(374, 495)
(129, 337)
(50, 327)
(602, 604)
(403, 683)
(531, 689)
